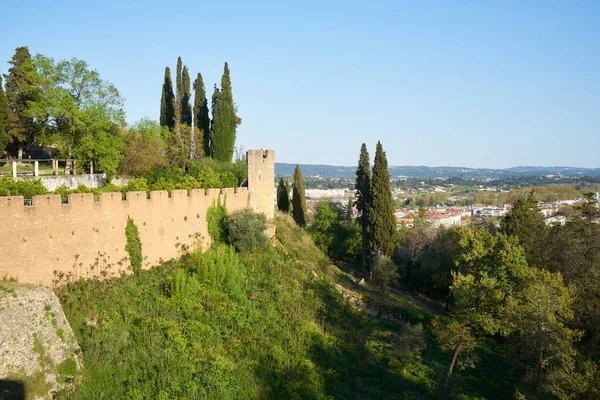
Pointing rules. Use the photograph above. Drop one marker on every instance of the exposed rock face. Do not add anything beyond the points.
(38, 351)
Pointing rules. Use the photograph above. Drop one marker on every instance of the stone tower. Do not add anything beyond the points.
(261, 181)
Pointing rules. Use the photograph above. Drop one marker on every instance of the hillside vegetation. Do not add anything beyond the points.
(267, 323)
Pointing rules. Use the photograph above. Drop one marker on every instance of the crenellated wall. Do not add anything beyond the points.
(72, 238)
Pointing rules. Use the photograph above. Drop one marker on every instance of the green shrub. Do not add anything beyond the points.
(133, 246)
(384, 270)
(162, 184)
(137, 185)
(239, 169)
(27, 189)
(187, 183)
(228, 180)
(245, 230)
(221, 268)
(207, 178)
(216, 218)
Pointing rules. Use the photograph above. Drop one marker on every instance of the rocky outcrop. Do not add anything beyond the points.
(38, 351)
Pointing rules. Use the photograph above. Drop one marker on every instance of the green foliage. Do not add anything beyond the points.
(201, 118)
(167, 114)
(525, 221)
(186, 95)
(228, 180)
(334, 231)
(363, 199)
(21, 88)
(541, 314)
(179, 145)
(382, 221)
(245, 230)
(216, 219)
(79, 113)
(283, 197)
(5, 114)
(299, 199)
(27, 189)
(133, 246)
(226, 325)
(238, 168)
(384, 271)
(224, 120)
(144, 148)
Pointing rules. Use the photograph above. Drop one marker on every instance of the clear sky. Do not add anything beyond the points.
(460, 83)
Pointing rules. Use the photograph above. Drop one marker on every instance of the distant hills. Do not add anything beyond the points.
(332, 171)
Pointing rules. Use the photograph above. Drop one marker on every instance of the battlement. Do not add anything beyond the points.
(49, 236)
(52, 201)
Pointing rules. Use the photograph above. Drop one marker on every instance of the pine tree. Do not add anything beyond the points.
(298, 198)
(167, 113)
(363, 198)
(186, 95)
(283, 197)
(22, 86)
(201, 118)
(225, 121)
(525, 221)
(4, 121)
(382, 221)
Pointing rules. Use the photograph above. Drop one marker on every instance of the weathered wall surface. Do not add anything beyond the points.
(261, 176)
(85, 238)
(51, 183)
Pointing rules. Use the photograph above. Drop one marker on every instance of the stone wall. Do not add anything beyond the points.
(51, 183)
(85, 238)
(261, 178)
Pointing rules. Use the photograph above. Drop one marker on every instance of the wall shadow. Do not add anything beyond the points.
(13, 390)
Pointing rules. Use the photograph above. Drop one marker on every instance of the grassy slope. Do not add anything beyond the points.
(222, 326)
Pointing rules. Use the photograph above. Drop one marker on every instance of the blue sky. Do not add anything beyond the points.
(464, 83)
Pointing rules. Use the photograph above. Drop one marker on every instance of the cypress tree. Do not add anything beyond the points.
(201, 117)
(22, 86)
(4, 121)
(363, 198)
(298, 198)
(382, 221)
(178, 81)
(283, 197)
(186, 95)
(225, 121)
(167, 113)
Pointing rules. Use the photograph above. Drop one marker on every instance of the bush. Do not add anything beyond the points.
(137, 185)
(27, 189)
(228, 180)
(239, 169)
(216, 217)
(384, 270)
(133, 246)
(245, 230)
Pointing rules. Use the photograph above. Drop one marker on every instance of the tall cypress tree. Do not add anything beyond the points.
(382, 221)
(225, 121)
(167, 113)
(298, 198)
(22, 86)
(201, 117)
(186, 95)
(363, 198)
(178, 81)
(283, 197)
(216, 127)
(4, 120)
